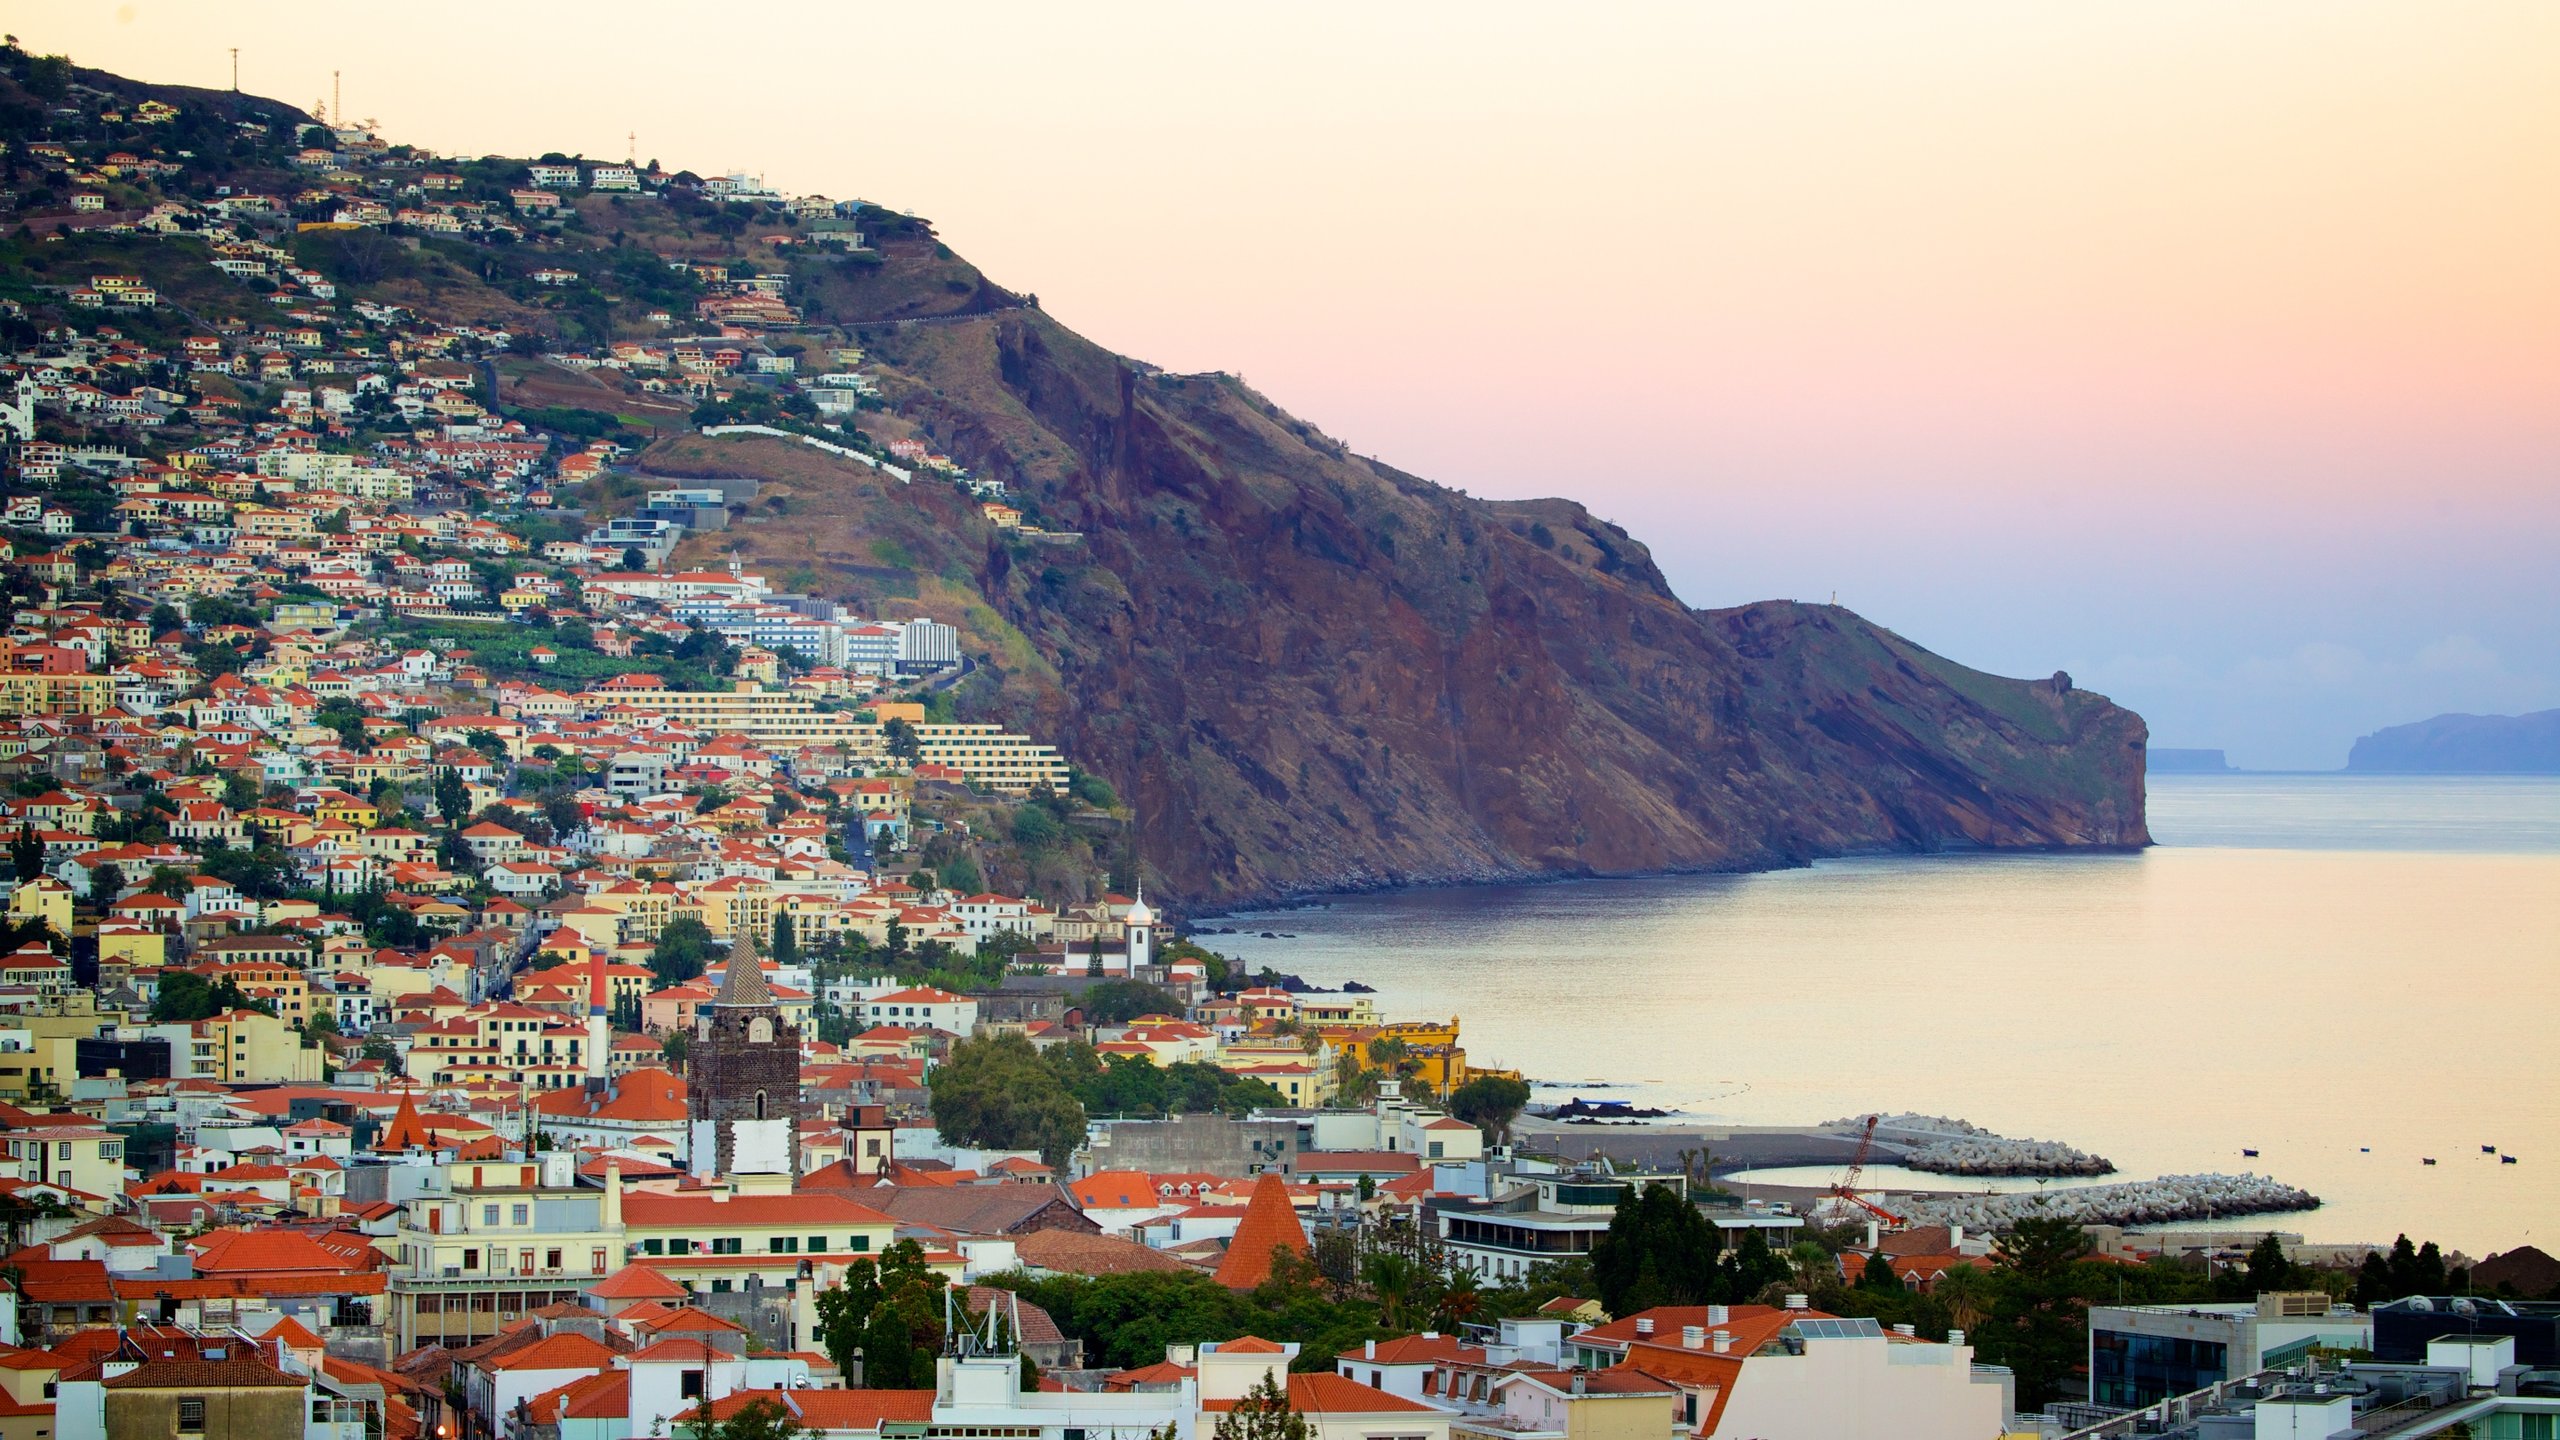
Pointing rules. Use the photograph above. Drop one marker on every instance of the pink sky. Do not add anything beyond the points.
(2188, 346)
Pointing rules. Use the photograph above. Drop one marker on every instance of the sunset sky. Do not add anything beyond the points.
(2209, 352)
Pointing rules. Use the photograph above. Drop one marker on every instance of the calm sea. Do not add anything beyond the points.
(2345, 975)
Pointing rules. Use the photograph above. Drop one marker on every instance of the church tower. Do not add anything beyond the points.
(742, 1078)
(1142, 933)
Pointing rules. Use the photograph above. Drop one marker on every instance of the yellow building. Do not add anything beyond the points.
(86, 1158)
(987, 755)
(248, 1046)
(125, 948)
(27, 692)
(728, 905)
(1431, 1048)
(43, 898)
(339, 808)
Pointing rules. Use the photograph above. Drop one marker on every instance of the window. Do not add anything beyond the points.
(689, 1385)
(550, 1259)
(520, 1215)
(191, 1415)
(817, 1244)
(595, 1260)
(488, 1214)
(651, 1246)
(470, 1259)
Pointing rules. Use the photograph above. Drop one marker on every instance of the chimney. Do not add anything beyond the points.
(1908, 1332)
(1724, 1342)
(1719, 1314)
(1796, 1302)
(1955, 1337)
(1955, 1238)
(1644, 1325)
(1581, 1380)
(612, 1213)
(1875, 1235)
(1693, 1337)
(1372, 1352)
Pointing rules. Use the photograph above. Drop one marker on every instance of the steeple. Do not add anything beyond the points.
(406, 1132)
(742, 1077)
(744, 982)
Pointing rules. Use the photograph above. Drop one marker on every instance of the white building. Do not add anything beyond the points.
(925, 644)
(919, 1008)
(1819, 1377)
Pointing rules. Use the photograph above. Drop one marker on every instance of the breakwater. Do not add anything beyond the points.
(2006, 1157)
(1943, 1145)
(2143, 1202)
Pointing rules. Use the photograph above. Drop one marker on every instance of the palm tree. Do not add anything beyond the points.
(1966, 1292)
(1392, 1277)
(1813, 1265)
(1460, 1302)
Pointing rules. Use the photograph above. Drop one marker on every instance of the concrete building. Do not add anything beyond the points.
(2465, 1385)
(2141, 1354)
(1801, 1375)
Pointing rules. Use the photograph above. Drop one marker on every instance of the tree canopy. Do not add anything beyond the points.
(888, 1313)
(995, 1092)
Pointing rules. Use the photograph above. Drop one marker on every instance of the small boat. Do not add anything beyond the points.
(2427, 1160)
(2252, 1154)
(2488, 1149)
(2364, 1149)
(2506, 1159)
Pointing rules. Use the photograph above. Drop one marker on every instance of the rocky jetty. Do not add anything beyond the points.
(1996, 1156)
(1943, 1145)
(2141, 1202)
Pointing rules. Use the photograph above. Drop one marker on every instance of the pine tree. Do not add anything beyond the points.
(1264, 1413)
(27, 852)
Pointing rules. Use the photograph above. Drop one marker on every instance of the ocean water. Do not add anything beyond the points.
(2347, 975)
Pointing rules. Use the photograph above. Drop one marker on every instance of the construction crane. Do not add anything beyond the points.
(1847, 1188)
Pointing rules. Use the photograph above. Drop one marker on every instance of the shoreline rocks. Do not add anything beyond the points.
(2007, 1157)
(1943, 1145)
(2166, 1200)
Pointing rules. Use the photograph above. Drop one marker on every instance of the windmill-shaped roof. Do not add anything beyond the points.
(406, 1131)
(1270, 1222)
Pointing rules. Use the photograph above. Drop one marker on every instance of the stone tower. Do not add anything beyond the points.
(742, 1077)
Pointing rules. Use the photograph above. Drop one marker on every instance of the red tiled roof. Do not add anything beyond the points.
(565, 1351)
(1270, 1223)
(831, 1411)
(1325, 1393)
(826, 1207)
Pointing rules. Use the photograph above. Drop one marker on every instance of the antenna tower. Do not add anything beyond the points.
(235, 69)
(337, 103)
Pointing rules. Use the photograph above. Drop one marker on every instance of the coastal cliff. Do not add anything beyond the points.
(1302, 669)
(1308, 671)
(2463, 745)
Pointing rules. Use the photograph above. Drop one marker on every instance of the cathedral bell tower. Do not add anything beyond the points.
(742, 1079)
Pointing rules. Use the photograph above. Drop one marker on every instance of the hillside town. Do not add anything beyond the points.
(482, 963)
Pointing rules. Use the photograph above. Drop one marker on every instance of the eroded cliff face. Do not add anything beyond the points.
(1311, 672)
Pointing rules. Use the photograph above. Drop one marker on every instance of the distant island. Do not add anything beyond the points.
(2187, 762)
(2463, 745)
